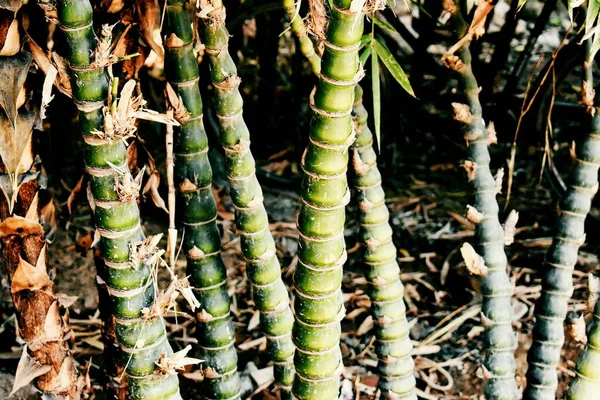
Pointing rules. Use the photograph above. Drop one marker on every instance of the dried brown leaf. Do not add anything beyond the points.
(15, 144)
(12, 42)
(20, 226)
(75, 192)
(30, 277)
(148, 15)
(13, 71)
(27, 370)
(152, 186)
(474, 262)
(474, 215)
(509, 227)
(47, 90)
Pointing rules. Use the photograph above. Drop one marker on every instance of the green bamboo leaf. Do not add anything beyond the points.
(392, 65)
(384, 24)
(376, 95)
(365, 40)
(521, 4)
(365, 55)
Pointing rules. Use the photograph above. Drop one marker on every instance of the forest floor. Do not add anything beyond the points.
(427, 194)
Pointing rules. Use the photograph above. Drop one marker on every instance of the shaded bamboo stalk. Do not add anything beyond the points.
(41, 322)
(557, 282)
(318, 307)
(128, 258)
(258, 247)
(499, 339)
(299, 29)
(386, 292)
(198, 210)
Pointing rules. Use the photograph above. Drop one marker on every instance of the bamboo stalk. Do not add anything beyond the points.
(318, 306)
(557, 282)
(496, 288)
(257, 244)
(140, 330)
(198, 211)
(393, 345)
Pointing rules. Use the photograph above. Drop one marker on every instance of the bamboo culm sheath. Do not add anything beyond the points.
(557, 282)
(496, 287)
(386, 292)
(198, 212)
(258, 247)
(318, 307)
(130, 285)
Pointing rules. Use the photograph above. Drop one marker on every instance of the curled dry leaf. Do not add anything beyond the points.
(170, 364)
(499, 178)
(594, 289)
(30, 277)
(152, 186)
(474, 262)
(47, 90)
(12, 41)
(146, 251)
(491, 133)
(509, 227)
(462, 113)
(471, 169)
(474, 215)
(13, 71)
(27, 370)
(576, 327)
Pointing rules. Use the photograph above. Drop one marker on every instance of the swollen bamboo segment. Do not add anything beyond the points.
(318, 306)
(393, 345)
(127, 274)
(262, 267)
(202, 240)
(496, 287)
(557, 286)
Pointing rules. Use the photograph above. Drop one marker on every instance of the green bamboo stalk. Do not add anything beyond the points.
(496, 288)
(318, 306)
(202, 240)
(258, 247)
(393, 345)
(299, 29)
(557, 285)
(141, 335)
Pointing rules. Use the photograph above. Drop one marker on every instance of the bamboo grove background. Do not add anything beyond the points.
(311, 200)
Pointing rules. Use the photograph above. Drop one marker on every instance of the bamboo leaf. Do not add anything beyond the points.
(365, 55)
(365, 40)
(384, 24)
(376, 89)
(392, 65)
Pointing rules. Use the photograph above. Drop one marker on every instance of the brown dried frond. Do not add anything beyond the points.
(127, 187)
(491, 133)
(452, 62)
(587, 97)
(474, 262)
(474, 215)
(211, 15)
(462, 113)
(120, 121)
(576, 327)
(471, 169)
(145, 252)
(509, 227)
(371, 6)
(170, 364)
(103, 52)
(175, 102)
